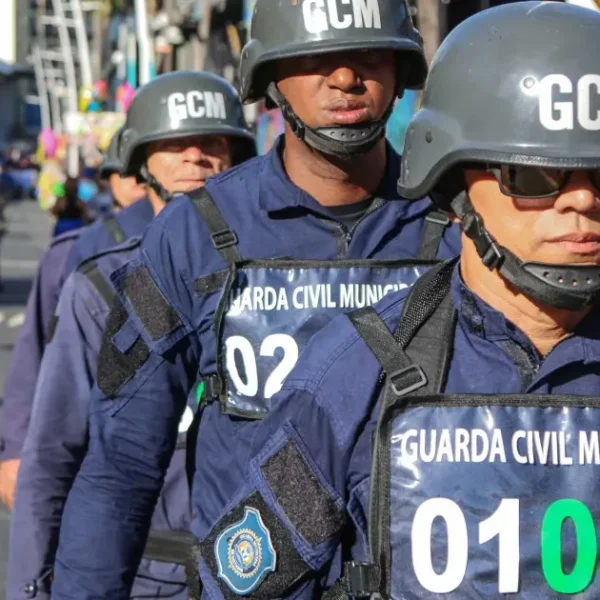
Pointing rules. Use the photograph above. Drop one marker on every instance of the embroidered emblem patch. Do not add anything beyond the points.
(245, 553)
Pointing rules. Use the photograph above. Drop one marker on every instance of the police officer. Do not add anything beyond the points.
(126, 192)
(470, 471)
(118, 192)
(57, 437)
(215, 293)
(65, 253)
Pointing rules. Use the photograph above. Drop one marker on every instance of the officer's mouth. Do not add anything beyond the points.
(579, 242)
(347, 112)
(185, 185)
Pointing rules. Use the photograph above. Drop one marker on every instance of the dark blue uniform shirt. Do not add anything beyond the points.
(168, 339)
(326, 408)
(29, 345)
(132, 220)
(57, 441)
(63, 256)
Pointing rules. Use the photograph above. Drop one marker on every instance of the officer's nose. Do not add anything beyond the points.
(344, 78)
(192, 153)
(580, 195)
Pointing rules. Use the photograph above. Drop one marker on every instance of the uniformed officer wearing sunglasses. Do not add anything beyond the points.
(470, 468)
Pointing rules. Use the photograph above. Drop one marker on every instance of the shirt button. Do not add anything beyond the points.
(30, 589)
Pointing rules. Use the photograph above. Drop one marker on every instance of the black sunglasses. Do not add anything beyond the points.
(527, 182)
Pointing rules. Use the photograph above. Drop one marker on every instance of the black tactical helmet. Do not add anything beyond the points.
(111, 163)
(519, 85)
(180, 104)
(290, 28)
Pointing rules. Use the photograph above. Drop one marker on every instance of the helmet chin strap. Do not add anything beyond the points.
(160, 190)
(154, 184)
(570, 287)
(338, 140)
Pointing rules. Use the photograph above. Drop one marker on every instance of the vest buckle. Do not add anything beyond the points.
(407, 380)
(362, 579)
(224, 239)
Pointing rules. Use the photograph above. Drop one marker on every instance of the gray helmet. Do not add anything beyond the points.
(287, 29)
(180, 104)
(111, 163)
(503, 89)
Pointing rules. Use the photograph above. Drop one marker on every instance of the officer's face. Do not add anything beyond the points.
(184, 164)
(339, 89)
(564, 229)
(126, 190)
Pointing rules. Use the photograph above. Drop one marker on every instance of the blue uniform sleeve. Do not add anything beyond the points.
(26, 358)
(56, 440)
(147, 364)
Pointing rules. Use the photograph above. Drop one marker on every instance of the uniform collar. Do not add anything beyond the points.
(277, 193)
(479, 318)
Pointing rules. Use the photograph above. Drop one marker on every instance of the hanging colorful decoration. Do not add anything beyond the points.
(268, 126)
(86, 97)
(50, 183)
(101, 89)
(123, 96)
(48, 140)
(93, 98)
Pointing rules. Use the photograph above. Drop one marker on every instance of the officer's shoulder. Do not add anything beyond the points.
(60, 247)
(224, 188)
(176, 211)
(334, 343)
(90, 231)
(126, 247)
(245, 171)
(140, 209)
(68, 236)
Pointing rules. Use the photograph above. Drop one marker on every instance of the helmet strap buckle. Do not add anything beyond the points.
(155, 185)
(493, 258)
(487, 248)
(298, 129)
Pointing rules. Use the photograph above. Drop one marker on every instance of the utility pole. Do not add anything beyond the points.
(98, 14)
(203, 31)
(59, 20)
(83, 46)
(428, 18)
(145, 42)
(40, 78)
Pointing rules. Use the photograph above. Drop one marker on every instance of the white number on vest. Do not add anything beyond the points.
(249, 387)
(504, 524)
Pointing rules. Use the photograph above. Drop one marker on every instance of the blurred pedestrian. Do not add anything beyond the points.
(69, 210)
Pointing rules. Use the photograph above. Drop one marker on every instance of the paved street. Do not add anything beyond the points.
(28, 236)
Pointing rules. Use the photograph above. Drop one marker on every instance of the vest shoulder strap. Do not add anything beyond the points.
(395, 362)
(436, 222)
(98, 280)
(414, 357)
(426, 327)
(223, 238)
(114, 227)
(415, 360)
